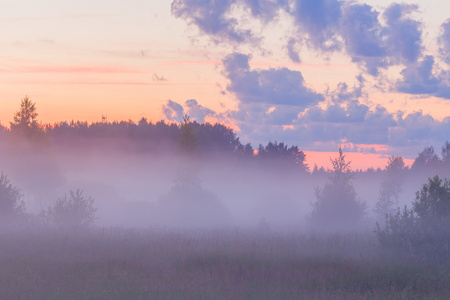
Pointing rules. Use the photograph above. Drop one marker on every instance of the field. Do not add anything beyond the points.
(215, 264)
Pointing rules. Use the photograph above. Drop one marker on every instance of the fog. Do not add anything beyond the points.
(170, 190)
(103, 219)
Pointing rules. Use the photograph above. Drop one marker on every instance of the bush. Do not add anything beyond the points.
(424, 230)
(75, 211)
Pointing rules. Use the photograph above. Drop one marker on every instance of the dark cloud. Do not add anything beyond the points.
(418, 129)
(263, 9)
(444, 41)
(325, 25)
(274, 86)
(362, 34)
(319, 20)
(419, 79)
(198, 112)
(173, 111)
(403, 35)
(212, 18)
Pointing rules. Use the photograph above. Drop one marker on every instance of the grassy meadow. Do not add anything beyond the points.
(119, 263)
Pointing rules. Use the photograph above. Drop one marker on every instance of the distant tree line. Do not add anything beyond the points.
(210, 139)
(147, 137)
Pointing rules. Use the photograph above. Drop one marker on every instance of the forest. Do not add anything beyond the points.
(143, 210)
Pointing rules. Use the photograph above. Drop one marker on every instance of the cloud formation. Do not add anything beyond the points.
(419, 79)
(319, 19)
(275, 103)
(211, 17)
(198, 112)
(173, 111)
(444, 41)
(272, 86)
(403, 34)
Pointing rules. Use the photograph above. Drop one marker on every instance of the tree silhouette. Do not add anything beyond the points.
(391, 187)
(279, 154)
(24, 121)
(336, 206)
(187, 140)
(424, 230)
(427, 162)
(11, 203)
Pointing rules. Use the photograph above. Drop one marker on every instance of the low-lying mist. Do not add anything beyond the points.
(172, 190)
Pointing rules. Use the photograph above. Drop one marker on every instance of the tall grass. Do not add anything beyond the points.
(216, 264)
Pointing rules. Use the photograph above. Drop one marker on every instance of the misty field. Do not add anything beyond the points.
(214, 264)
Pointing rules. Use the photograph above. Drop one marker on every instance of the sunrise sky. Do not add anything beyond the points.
(372, 76)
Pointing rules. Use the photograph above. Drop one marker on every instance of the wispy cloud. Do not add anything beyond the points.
(75, 69)
(157, 77)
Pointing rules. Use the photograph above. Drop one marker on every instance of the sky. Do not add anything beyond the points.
(372, 76)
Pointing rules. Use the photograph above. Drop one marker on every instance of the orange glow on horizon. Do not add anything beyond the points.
(359, 161)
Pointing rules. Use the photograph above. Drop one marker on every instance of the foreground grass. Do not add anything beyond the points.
(129, 264)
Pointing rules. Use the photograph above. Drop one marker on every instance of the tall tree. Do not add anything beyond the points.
(337, 206)
(187, 140)
(25, 120)
(427, 162)
(391, 187)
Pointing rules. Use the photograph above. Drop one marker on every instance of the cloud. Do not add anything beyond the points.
(319, 20)
(275, 103)
(444, 41)
(419, 129)
(212, 18)
(292, 52)
(419, 79)
(343, 93)
(324, 25)
(173, 111)
(265, 10)
(274, 86)
(403, 35)
(362, 34)
(256, 114)
(198, 112)
(157, 77)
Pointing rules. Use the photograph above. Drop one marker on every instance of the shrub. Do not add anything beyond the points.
(424, 230)
(73, 211)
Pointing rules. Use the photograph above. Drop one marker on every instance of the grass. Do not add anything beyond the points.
(221, 264)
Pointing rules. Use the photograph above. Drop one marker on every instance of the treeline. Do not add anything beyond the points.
(147, 137)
